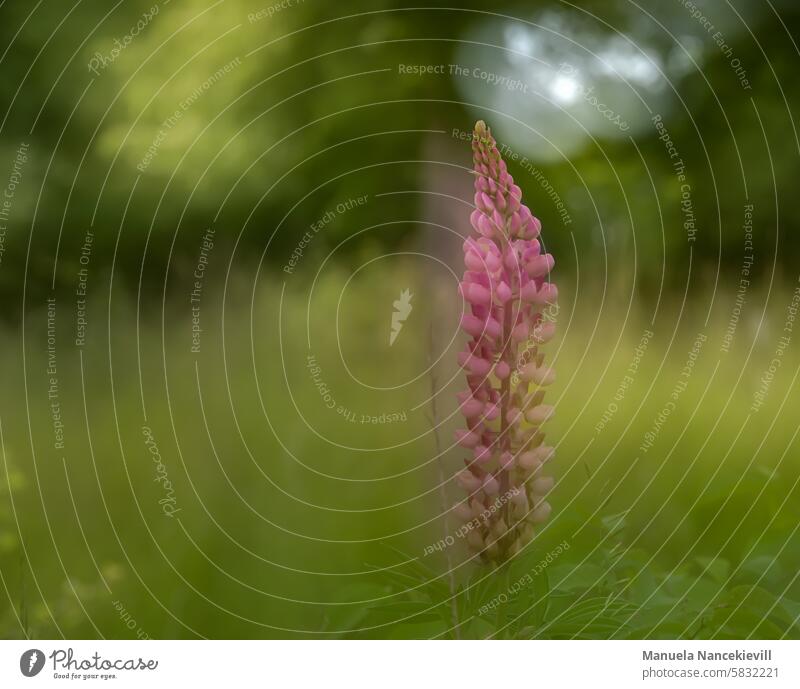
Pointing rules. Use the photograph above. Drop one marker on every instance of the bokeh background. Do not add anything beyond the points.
(208, 210)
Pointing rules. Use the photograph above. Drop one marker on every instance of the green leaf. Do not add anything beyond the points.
(590, 618)
(571, 577)
(541, 592)
(405, 612)
(614, 523)
(751, 611)
(717, 568)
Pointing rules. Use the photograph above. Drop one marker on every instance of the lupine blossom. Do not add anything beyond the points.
(506, 288)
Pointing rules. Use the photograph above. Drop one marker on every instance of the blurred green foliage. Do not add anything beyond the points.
(316, 112)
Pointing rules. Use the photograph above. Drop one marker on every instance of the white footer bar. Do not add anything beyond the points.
(401, 664)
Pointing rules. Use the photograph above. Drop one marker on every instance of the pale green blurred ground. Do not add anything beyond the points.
(719, 479)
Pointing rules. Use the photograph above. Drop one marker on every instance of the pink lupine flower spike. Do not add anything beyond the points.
(506, 287)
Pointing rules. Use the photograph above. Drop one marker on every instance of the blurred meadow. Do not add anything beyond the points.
(205, 430)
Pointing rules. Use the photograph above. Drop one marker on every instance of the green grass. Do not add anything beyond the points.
(288, 522)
